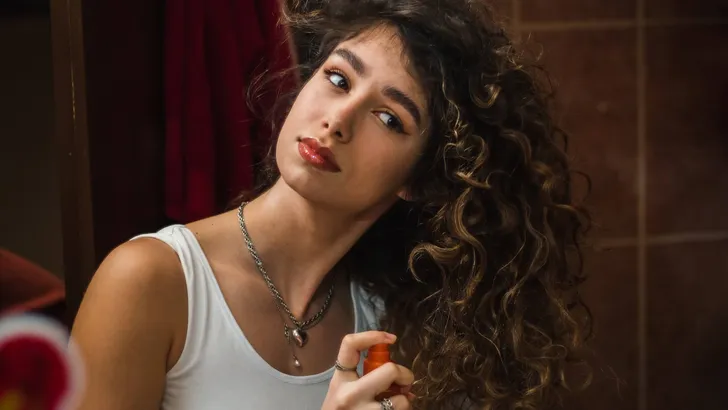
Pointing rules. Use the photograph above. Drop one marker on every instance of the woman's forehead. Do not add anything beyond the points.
(381, 41)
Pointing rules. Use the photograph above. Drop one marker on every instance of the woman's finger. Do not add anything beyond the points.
(382, 377)
(351, 347)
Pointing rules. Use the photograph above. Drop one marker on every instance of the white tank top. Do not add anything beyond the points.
(218, 367)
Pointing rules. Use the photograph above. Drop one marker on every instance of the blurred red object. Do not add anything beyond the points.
(26, 287)
(39, 368)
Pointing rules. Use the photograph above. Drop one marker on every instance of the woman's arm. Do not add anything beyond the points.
(126, 325)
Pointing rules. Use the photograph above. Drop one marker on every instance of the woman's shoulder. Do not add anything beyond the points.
(139, 280)
(160, 247)
(146, 267)
(143, 258)
(134, 308)
(143, 271)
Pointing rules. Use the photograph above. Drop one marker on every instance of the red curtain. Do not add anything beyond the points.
(213, 49)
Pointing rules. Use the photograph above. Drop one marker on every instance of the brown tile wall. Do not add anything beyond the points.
(642, 87)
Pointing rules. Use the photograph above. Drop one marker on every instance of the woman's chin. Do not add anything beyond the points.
(309, 184)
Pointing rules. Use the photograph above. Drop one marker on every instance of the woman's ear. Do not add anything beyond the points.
(404, 194)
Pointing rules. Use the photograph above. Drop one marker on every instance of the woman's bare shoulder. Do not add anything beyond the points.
(129, 319)
(146, 265)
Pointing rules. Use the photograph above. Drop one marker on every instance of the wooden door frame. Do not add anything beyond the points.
(71, 144)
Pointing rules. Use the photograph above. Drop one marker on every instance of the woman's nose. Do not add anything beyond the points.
(338, 123)
(334, 131)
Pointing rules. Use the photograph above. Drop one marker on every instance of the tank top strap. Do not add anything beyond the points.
(204, 300)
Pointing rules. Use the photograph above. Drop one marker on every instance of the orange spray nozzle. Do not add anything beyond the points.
(377, 356)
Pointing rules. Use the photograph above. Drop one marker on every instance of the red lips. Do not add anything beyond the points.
(318, 156)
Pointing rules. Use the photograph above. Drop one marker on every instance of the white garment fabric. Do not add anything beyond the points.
(218, 368)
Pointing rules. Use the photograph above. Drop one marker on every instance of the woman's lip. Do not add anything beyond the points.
(317, 155)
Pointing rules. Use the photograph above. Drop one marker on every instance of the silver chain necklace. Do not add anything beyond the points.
(298, 332)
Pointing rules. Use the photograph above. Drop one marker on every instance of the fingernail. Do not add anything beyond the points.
(392, 338)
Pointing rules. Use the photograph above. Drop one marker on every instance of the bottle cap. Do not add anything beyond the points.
(379, 353)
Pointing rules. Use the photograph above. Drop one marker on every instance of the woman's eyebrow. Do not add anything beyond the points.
(405, 101)
(354, 60)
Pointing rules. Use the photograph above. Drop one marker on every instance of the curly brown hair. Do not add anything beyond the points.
(480, 269)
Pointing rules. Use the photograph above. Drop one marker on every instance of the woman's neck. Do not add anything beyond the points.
(300, 242)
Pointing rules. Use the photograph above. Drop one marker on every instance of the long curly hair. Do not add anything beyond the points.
(480, 269)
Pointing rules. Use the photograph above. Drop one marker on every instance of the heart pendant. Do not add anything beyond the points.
(300, 336)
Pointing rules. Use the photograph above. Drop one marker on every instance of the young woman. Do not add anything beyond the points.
(419, 197)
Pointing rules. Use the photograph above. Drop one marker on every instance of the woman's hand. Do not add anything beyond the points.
(348, 391)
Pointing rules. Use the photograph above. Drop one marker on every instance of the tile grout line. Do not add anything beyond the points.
(642, 313)
(670, 239)
(619, 24)
(578, 25)
(662, 22)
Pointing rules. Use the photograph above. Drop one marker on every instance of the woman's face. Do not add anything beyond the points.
(357, 127)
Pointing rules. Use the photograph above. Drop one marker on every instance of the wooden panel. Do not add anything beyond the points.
(71, 139)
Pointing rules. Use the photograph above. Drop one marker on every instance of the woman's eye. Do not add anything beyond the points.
(337, 80)
(390, 121)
